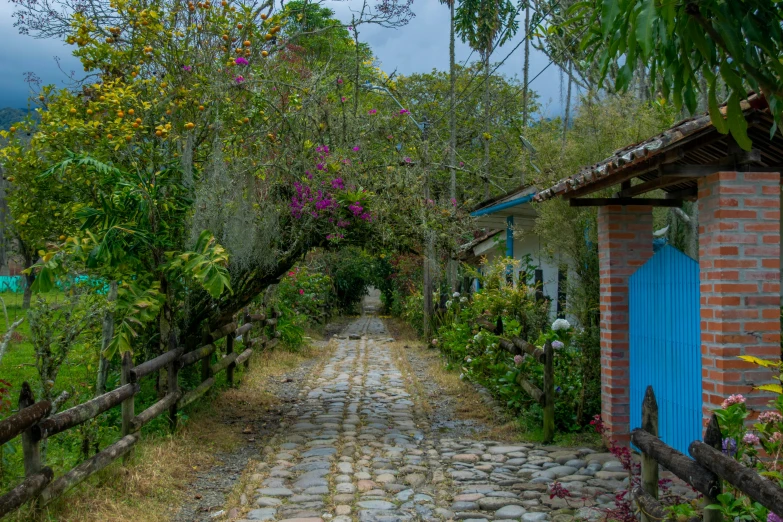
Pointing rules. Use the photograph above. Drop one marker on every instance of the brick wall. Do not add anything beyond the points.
(739, 258)
(624, 244)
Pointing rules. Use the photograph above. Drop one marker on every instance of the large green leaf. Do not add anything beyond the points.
(738, 125)
(715, 115)
(610, 9)
(644, 26)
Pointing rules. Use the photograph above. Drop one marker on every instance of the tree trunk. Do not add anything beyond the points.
(567, 115)
(526, 72)
(486, 123)
(452, 265)
(108, 333)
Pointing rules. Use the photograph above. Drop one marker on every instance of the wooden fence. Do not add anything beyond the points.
(545, 356)
(705, 472)
(34, 425)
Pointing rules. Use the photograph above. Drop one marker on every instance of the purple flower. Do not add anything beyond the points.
(343, 98)
(751, 439)
(337, 183)
(559, 389)
(241, 61)
(356, 149)
(518, 360)
(187, 68)
(365, 217)
(558, 345)
(343, 223)
(729, 446)
(772, 517)
(407, 159)
(320, 166)
(372, 111)
(404, 111)
(453, 202)
(239, 79)
(356, 208)
(309, 176)
(339, 81)
(461, 163)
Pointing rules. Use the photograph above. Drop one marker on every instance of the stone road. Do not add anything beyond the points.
(357, 447)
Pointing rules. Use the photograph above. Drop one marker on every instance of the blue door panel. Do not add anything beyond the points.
(665, 345)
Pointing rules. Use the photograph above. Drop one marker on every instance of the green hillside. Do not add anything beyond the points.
(10, 115)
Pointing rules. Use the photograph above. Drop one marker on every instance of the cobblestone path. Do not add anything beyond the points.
(357, 447)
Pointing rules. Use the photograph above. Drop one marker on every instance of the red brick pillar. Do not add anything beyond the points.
(739, 260)
(624, 244)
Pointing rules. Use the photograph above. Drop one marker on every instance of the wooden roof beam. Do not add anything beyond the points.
(625, 202)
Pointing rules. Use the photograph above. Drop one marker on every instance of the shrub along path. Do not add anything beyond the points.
(357, 445)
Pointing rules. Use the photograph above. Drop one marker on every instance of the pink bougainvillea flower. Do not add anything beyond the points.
(461, 163)
(404, 111)
(339, 81)
(241, 61)
(356, 149)
(291, 274)
(239, 79)
(187, 68)
(301, 291)
(407, 159)
(372, 111)
(337, 183)
(343, 98)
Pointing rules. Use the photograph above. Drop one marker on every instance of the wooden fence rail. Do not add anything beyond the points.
(33, 425)
(545, 397)
(705, 472)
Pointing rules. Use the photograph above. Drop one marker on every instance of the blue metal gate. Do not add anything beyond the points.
(665, 345)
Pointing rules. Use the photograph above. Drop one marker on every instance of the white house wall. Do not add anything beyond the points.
(528, 244)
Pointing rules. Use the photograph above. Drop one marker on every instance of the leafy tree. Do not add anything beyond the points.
(485, 25)
(738, 43)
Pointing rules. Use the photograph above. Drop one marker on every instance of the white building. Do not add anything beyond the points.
(508, 222)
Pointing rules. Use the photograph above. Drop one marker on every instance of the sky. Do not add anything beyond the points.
(420, 46)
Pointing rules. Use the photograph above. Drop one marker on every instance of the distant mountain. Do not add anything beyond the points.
(10, 115)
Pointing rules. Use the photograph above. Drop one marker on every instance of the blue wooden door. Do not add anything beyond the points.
(665, 345)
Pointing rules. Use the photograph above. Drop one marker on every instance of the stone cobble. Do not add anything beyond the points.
(358, 447)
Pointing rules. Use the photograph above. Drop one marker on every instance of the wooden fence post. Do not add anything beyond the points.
(229, 351)
(549, 393)
(206, 366)
(128, 405)
(714, 438)
(246, 337)
(649, 464)
(173, 371)
(30, 445)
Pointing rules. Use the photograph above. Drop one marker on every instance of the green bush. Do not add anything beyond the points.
(477, 355)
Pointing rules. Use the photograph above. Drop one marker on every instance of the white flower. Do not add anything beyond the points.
(468, 359)
(463, 299)
(561, 324)
(449, 303)
(455, 295)
(461, 376)
(477, 337)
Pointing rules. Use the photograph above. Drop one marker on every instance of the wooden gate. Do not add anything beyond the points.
(665, 345)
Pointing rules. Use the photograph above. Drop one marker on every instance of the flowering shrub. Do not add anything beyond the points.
(303, 291)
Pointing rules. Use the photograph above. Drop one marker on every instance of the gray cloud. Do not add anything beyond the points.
(20, 54)
(418, 47)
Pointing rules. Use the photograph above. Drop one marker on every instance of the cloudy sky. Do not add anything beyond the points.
(418, 47)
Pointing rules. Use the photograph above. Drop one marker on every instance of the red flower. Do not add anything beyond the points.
(301, 291)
